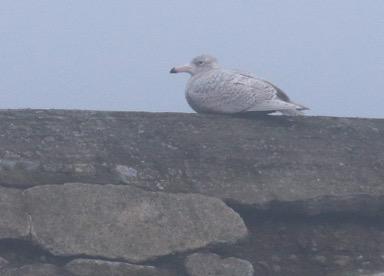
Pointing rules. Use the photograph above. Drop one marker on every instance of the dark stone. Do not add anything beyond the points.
(327, 245)
(35, 270)
(3, 262)
(206, 264)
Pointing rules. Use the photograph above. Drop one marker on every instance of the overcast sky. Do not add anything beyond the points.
(116, 54)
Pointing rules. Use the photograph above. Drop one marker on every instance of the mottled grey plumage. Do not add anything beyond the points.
(212, 89)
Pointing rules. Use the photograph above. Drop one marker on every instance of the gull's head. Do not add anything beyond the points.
(198, 65)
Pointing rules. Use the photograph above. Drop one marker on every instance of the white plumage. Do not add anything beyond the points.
(212, 89)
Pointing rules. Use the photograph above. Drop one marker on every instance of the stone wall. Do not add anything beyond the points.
(129, 193)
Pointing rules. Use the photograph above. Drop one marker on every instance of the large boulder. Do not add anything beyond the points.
(124, 222)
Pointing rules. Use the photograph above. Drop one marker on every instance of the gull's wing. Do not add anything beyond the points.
(226, 91)
(275, 98)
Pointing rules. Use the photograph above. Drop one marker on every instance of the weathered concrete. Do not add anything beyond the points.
(124, 222)
(244, 160)
(205, 264)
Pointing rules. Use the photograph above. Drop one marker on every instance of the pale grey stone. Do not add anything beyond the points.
(126, 173)
(125, 222)
(88, 267)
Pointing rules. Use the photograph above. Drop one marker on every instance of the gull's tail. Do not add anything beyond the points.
(292, 112)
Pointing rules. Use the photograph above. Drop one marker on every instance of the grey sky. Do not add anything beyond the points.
(116, 54)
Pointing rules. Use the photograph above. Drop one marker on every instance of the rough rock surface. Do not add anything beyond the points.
(3, 262)
(35, 270)
(124, 222)
(205, 264)
(327, 245)
(87, 267)
(244, 160)
(310, 191)
(359, 273)
(14, 219)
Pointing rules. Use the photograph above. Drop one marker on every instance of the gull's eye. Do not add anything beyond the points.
(200, 62)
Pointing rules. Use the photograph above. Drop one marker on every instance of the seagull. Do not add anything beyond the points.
(212, 89)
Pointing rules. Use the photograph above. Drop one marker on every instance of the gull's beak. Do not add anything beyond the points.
(181, 69)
